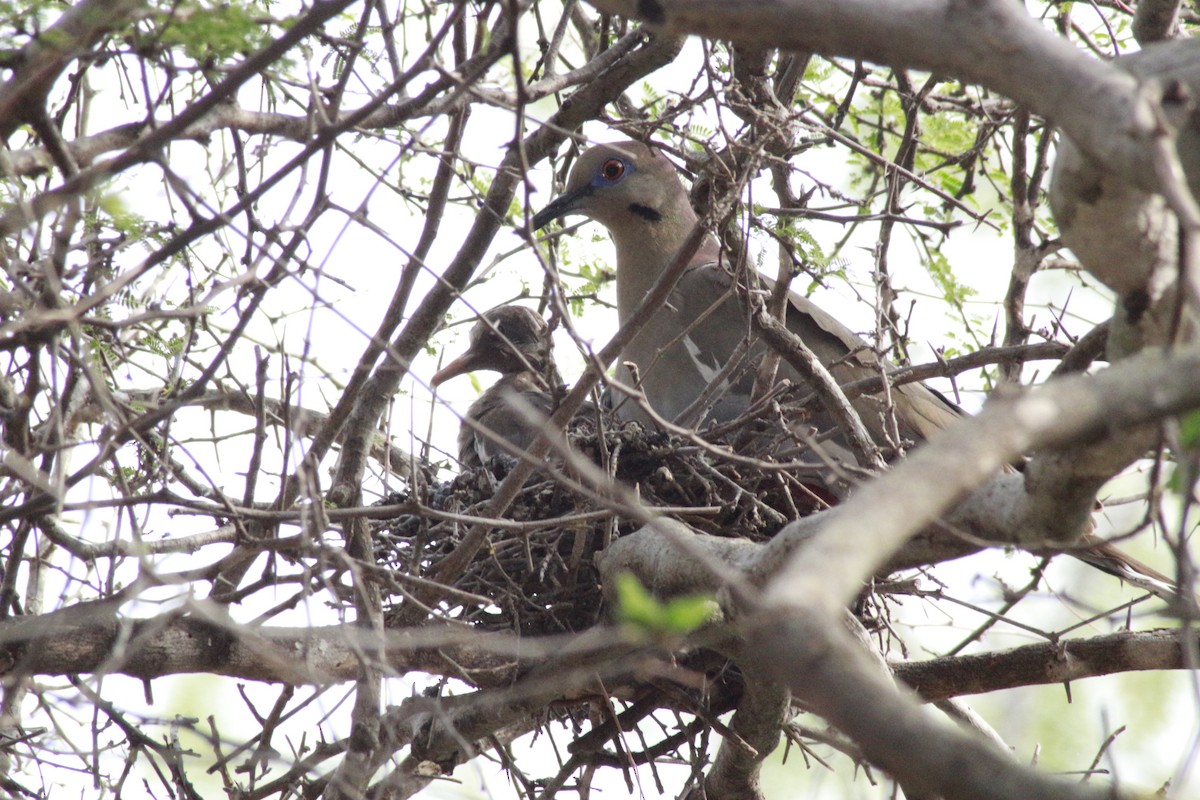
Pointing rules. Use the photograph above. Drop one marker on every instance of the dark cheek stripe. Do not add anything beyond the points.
(645, 212)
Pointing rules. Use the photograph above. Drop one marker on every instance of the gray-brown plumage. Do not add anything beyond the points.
(514, 341)
(636, 193)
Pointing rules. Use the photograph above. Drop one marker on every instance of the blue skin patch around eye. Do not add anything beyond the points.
(600, 180)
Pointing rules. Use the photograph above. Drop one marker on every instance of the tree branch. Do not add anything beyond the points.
(994, 43)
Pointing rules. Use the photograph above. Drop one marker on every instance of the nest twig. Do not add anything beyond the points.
(543, 581)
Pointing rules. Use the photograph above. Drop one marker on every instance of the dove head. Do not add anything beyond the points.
(509, 340)
(634, 191)
(630, 188)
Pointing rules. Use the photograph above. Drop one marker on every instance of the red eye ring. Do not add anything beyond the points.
(612, 169)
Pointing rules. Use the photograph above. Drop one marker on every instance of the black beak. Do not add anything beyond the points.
(560, 206)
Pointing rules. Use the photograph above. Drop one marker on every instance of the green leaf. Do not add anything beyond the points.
(1189, 430)
(213, 31)
(690, 612)
(940, 269)
(635, 605)
(639, 609)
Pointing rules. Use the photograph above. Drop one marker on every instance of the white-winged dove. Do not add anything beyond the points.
(514, 341)
(636, 193)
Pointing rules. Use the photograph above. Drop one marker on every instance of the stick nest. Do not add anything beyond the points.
(543, 580)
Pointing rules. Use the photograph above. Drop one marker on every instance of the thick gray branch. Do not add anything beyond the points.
(1156, 20)
(1050, 662)
(875, 522)
(993, 42)
(808, 651)
(828, 556)
(89, 639)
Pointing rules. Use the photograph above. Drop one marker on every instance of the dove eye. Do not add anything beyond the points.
(612, 169)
